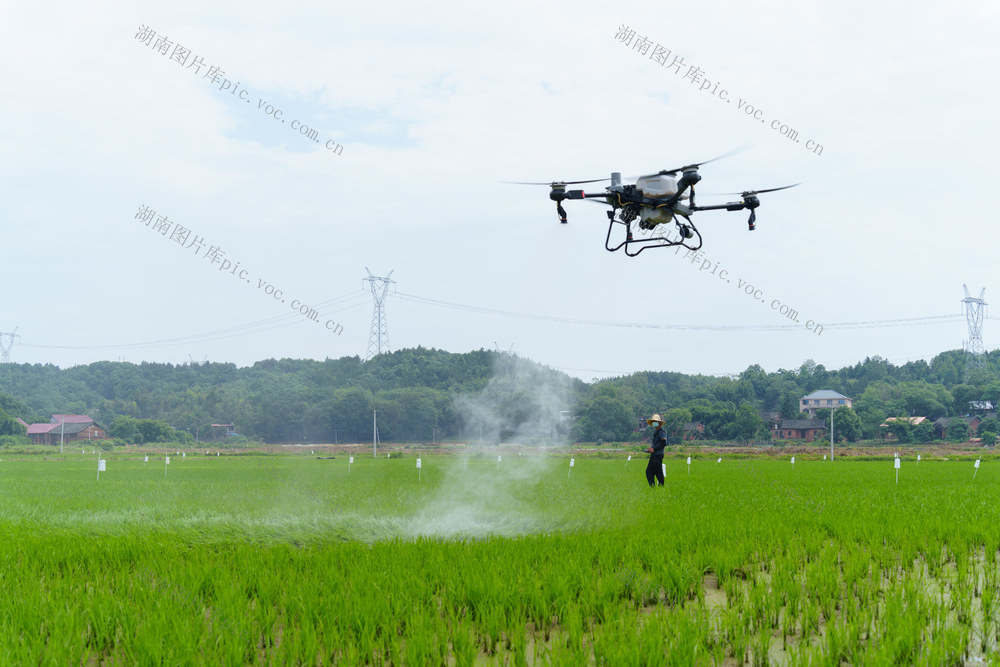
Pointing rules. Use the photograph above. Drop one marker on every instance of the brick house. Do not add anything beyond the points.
(800, 429)
(66, 428)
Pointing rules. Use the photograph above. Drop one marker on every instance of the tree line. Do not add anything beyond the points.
(424, 395)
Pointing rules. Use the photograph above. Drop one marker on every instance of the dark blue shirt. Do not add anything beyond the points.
(659, 441)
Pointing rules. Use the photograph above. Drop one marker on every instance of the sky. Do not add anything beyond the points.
(162, 202)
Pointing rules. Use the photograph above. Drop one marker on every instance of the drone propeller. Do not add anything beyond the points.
(692, 167)
(555, 184)
(750, 193)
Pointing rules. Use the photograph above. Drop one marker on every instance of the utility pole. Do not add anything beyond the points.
(831, 431)
(378, 338)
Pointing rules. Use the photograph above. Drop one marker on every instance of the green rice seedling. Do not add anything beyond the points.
(737, 635)
(809, 619)
(788, 623)
(761, 647)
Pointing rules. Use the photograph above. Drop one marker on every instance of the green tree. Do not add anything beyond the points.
(748, 423)
(924, 431)
(127, 429)
(9, 425)
(847, 424)
(674, 421)
(901, 429)
(156, 430)
(958, 430)
(990, 424)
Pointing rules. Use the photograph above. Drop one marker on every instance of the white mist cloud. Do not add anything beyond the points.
(522, 404)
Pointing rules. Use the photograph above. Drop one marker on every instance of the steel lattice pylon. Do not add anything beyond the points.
(5, 347)
(975, 311)
(378, 339)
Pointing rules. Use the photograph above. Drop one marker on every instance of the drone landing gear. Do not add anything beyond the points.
(685, 234)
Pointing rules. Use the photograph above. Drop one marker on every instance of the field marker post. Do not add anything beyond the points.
(101, 465)
(570, 468)
(418, 470)
(166, 462)
(896, 466)
(689, 465)
(498, 463)
(627, 460)
(976, 472)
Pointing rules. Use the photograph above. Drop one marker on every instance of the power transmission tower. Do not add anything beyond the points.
(5, 347)
(975, 310)
(378, 339)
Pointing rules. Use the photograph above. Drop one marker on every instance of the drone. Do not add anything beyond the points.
(646, 207)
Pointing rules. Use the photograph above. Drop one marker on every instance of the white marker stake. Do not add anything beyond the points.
(689, 465)
(100, 468)
(720, 460)
(824, 457)
(793, 461)
(498, 463)
(918, 458)
(418, 470)
(570, 468)
(627, 460)
(896, 465)
(184, 455)
(977, 470)
(166, 462)
(350, 462)
(178, 453)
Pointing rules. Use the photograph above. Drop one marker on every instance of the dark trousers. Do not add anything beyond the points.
(654, 470)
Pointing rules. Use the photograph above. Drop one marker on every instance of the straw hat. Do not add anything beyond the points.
(654, 418)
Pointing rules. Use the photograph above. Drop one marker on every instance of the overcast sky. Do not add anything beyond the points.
(433, 107)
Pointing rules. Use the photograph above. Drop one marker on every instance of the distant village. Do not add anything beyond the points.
(809, 430)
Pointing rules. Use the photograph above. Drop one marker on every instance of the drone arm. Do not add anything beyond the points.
(731, 206)
(749, 202)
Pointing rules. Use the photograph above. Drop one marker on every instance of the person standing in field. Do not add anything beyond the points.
(654, 469)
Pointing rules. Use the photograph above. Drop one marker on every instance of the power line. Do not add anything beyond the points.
(257, 326)
(909, 321)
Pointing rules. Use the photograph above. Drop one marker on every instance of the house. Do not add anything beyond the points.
(823, 399)
(800, 429)
(941, 425)
(66, 428)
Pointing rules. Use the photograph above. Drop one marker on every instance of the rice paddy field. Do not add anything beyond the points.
(295, 559)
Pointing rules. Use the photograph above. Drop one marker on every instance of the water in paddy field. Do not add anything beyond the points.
(479, 496)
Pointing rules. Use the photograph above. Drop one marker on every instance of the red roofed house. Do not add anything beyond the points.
(66, 428)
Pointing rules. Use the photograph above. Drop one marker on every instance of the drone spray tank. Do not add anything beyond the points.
(657, 186)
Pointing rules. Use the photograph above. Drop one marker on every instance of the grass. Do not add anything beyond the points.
(293, 559)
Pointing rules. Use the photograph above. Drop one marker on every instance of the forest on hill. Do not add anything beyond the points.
(424, 395)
